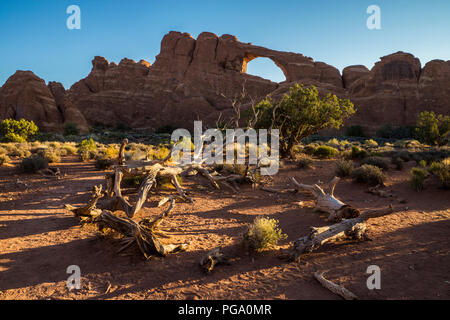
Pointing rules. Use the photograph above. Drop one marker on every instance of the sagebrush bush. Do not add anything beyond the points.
(33, 164)
(17, 130)
(371, 143)
(442, 171)
(4, 159)
(358, 153)
(87, 149)
(303, 161)
(69, 149)
(368, 174)
(377, 161)
(417, 177)
(50, 154)
(325, 152)
(263, 234)
(344, 168)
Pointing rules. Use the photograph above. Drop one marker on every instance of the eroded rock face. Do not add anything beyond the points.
(195, 79)
(25, 95)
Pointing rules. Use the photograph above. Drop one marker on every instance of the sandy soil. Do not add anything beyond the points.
(39, 240)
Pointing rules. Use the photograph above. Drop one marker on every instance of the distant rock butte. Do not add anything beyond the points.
(194, 79)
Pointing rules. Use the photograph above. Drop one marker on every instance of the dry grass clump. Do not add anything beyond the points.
(368, 174)
(344, 168)
(263, 234)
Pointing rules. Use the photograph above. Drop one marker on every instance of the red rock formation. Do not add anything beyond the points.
(24, 95)
(190, 78)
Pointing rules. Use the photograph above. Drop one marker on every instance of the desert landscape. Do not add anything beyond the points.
(122, 186)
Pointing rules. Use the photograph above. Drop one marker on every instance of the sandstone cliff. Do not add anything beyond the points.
(190, 77)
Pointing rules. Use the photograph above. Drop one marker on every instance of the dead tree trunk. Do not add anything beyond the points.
(327, 202)
(352, 228)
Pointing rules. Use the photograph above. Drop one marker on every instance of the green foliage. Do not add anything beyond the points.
(358, 153)
(17, 131)
(71, 129)
(344, 168)
(33, 164)
(325, 152)
(368, 174)
(355, 131)
(301, 113)
(432, 129)
(378, 162)
(371, 143)
(442, 171)
(52, 155)
(417, 177)
(87, 149)
(263, 234)
(133, 181)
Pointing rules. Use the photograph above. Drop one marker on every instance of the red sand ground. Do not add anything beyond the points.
(39, 240)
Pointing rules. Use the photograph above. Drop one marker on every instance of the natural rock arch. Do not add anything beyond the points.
(248, 57)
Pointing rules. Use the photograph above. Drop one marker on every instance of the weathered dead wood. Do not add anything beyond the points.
(143, 234)
(354, 228)
(90, 210)
(327, 202)
(214, 258)
(336, 289)
(121, 156)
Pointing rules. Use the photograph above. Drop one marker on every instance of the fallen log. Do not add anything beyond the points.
(336, 289)
(354, 228)
(327, 202)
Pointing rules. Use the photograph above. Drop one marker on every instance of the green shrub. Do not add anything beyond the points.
(301, 113)
(263, 234)
(371, 143)
(344, 168)
(355, 131)
(69, 149)
(358, 153)
(378, 162)
(51, 155)
(325, 152)
(33, 164)
(4, 159)
(416, 178)
(71, 129)
(133, 181)
(368, 174)
(87, 149)
(303, 161)
(432, 129)
(442, 171)
(17, 131)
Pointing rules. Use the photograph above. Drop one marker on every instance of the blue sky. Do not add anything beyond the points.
(34, 36)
